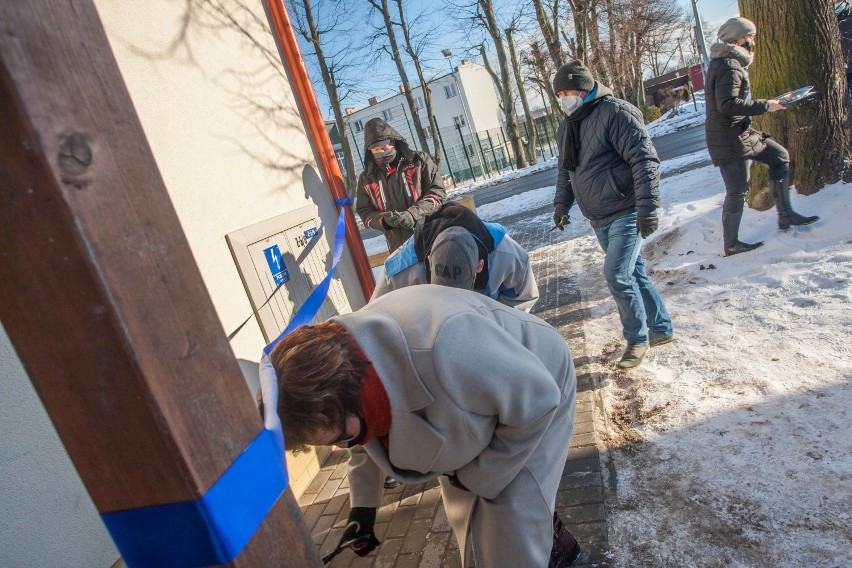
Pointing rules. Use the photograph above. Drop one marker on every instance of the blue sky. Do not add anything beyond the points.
(383, 80)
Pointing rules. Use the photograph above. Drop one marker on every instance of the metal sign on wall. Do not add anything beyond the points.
(291, 251)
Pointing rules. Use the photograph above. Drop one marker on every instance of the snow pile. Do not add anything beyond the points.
(686, 115)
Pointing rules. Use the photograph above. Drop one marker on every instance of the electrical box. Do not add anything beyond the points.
(288, 253)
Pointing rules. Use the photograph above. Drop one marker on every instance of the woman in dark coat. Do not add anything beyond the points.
(731, 140)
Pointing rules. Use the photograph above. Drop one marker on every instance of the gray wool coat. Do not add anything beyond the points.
(477, 389)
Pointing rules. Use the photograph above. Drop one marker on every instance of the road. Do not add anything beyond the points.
(669, 146)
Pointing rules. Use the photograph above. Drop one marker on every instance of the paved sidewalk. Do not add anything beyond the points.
(412, 525)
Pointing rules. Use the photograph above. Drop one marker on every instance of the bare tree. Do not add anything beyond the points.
(414, 52)
(487, 18)
(331, 66)
(382, 7)
(815, 132)
(547, 16)
(530, 146)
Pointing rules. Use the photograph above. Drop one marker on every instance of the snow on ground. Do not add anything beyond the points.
(731, 446)
(462, 190)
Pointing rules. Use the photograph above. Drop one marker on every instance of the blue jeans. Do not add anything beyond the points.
(639, 304)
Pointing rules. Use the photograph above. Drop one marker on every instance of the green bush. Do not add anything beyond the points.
(651, 113)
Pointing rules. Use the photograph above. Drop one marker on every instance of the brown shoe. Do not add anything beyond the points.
(633, 355)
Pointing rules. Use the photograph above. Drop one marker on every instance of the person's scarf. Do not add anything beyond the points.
(374, 404)
(571, 146)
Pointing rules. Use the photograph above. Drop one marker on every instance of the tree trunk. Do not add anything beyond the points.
(314, 37)
(403, 76)
(815, 132)
(547, 25)
(490, 21)
(427, 93)
(530, 146)
(579, 9)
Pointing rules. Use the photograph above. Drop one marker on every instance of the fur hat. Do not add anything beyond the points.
(734, 29)
(573, 76)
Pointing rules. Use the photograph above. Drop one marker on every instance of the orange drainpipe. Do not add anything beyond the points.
(294, 65)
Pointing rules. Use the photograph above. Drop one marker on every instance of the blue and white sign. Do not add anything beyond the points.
(276, 265)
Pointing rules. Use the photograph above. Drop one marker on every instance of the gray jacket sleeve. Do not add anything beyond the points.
(518, 288)
(630, 139)
(365, 479)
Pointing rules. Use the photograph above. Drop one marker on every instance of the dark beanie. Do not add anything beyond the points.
(573, 76)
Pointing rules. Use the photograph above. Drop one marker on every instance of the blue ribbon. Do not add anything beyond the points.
(216, 528)
(312, 305)
(213, 529)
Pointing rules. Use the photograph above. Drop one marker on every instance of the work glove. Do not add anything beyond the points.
(389, 219)
(405, 220)
(646, 225)
(560, 218)
(366, 519)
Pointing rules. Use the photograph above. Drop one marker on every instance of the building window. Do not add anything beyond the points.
(418, 102)
(450, 90)
(427, 132)
(387, 114)
(459, 120)
(359, 126)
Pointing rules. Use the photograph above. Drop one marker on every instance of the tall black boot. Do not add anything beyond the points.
(730, 232)
(780, 190)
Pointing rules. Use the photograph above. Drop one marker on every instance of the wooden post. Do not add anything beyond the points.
(99, 291)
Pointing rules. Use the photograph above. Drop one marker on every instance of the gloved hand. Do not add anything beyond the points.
(406, 220)
(560, 218)
(389, 219)
(366, 519)
(646, 225)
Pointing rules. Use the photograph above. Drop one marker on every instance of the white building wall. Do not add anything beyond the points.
(474, 90)
(192, 117)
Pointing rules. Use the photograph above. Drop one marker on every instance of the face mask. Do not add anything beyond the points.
(570, 103)
(386, 157)
(749, 46)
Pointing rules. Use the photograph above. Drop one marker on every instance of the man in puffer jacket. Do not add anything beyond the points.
(731, 140)
(609, 166)
(453, 247)
(398, 186)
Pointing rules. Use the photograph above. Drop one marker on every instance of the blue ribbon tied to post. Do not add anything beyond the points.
(215, 528)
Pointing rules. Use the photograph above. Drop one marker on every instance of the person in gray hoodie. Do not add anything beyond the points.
(454, 247)
(398, 187)
(608, 165)
(732, 142)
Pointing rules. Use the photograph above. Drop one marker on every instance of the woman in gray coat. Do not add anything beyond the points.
(438, 382)
(732, 141)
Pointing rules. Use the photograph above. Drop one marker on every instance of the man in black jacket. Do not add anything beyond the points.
(398, 186)
(732, 141)
(608, 165)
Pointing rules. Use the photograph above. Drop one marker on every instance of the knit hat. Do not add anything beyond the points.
(734, 29)
(453, 259)
(573, 76)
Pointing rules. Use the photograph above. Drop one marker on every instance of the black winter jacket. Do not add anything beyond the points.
(413, 184)
(728, 126)
(617, 164)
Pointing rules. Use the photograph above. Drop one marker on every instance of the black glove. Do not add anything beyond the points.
(366, 519)
(560, 218)
(389, 219)
(646, 225)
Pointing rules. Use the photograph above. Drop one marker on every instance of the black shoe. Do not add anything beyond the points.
(794, 219)
(565, 547)
(392, 483)
(660, 340)
(740, 246)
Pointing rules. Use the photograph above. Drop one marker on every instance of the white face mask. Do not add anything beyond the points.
(570, 103)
